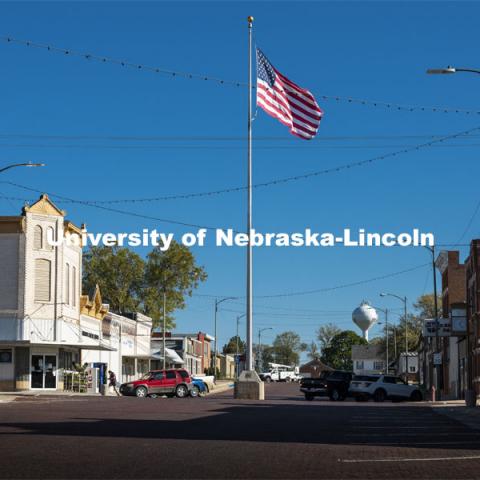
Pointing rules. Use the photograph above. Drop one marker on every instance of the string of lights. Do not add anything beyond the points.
(278, 181)
(196, 76)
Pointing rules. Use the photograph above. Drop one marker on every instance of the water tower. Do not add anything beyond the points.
(364, 316)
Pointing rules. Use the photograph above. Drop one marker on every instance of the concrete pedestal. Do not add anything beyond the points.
(249, 386)
(470, 398)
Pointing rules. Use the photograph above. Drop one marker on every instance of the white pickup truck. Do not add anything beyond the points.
(280, 373)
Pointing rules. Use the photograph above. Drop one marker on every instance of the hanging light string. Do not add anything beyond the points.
(278, 181)
(197, 76)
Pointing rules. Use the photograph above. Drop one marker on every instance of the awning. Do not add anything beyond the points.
(172, 355)
(28, 343)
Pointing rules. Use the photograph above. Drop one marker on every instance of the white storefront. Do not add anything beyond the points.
(41, 330)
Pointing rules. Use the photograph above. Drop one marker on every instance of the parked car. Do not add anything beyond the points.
(334, 385)
(199, 388)
(383, 387)
(160, 382)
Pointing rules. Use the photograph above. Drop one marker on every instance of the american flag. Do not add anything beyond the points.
(292, 105)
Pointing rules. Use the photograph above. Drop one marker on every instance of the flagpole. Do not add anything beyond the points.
(249, 306)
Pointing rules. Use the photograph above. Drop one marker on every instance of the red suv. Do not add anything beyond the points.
(160, 382)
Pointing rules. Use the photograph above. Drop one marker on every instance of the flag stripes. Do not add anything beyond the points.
(282, 99)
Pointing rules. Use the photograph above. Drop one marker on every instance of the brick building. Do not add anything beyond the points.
(473, 312)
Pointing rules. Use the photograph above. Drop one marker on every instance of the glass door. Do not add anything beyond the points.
(44, 371)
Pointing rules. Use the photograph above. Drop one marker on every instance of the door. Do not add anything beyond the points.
(170, 381)
(43, 371)
(155, 384)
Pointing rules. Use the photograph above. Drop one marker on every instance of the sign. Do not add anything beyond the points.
(437, 358)
(459, 321)
(430, 327)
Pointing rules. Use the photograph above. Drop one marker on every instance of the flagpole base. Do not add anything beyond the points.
(249, 386)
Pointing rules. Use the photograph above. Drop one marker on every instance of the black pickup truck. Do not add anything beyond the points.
(333, 384)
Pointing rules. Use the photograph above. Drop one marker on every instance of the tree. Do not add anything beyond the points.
(313, 352)
(338, 354)
(287, 347)
(325, 334)
(118, 272)
(231, 346)
(174, 272)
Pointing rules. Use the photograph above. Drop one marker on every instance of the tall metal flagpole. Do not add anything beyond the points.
(249, 359)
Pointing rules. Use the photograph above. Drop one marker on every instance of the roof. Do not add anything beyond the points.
(316, 363)
(366, 352)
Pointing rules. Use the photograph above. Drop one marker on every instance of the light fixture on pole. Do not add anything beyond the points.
(450, 70)
(28, 164)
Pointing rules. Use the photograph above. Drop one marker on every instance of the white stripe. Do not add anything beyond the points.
(272, 111)
(424, 459)
(288, 112)
(267, 96)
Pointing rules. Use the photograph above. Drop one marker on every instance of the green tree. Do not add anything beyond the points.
(174, 272)
(338, 354)
(231, 346)
(287, 347)
(325, 334)
(118, 272)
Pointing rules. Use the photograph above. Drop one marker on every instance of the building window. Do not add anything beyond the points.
(360, 364)
(67, 284)
(51, 235)
(411, 369)
(378, 365)
(42, 280)
(74, 286)
(38, 237)
(6, 355)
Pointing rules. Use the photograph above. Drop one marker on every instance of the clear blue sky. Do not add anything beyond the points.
(376, 51)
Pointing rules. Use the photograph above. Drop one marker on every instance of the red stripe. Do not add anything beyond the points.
(292, 95)
(268, 94)
(275, 109)
(311, 103)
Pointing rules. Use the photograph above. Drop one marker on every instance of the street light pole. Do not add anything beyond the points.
(214, 359)
(29, 164)
(260, 362)
(404, 300)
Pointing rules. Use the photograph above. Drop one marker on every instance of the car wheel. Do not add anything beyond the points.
(380, 395)
(268, 379)
(195, 391)
(309, 397)
(335, 395)
(181, 391)
(141, 392)
(288, 379)
(416, 396)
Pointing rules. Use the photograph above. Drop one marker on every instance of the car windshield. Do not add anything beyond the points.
(146, 376)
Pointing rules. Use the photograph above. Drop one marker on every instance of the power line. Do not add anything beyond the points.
(324, 289)
(278, 181)
(189, 75)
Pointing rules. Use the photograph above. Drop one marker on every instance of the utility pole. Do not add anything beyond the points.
(164, 326)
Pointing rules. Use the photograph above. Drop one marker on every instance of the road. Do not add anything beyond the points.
(217, 437)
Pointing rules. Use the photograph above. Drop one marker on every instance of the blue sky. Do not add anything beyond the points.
(377, 51)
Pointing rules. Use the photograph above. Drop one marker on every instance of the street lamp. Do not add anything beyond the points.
(260, 363)
(404, 300)
(217, 303)
(449, 70)
(29, 164)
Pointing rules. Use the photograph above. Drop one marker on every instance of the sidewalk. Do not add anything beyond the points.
(221, 386)
(468, 416)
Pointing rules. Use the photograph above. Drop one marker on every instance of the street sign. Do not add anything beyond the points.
(437, 358)
(430, 327)
(459, 322)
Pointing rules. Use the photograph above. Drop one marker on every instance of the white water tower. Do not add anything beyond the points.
(364, 317)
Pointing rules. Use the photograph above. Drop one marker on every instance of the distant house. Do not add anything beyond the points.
(412, 363)
(314, 368)
(367, 359)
